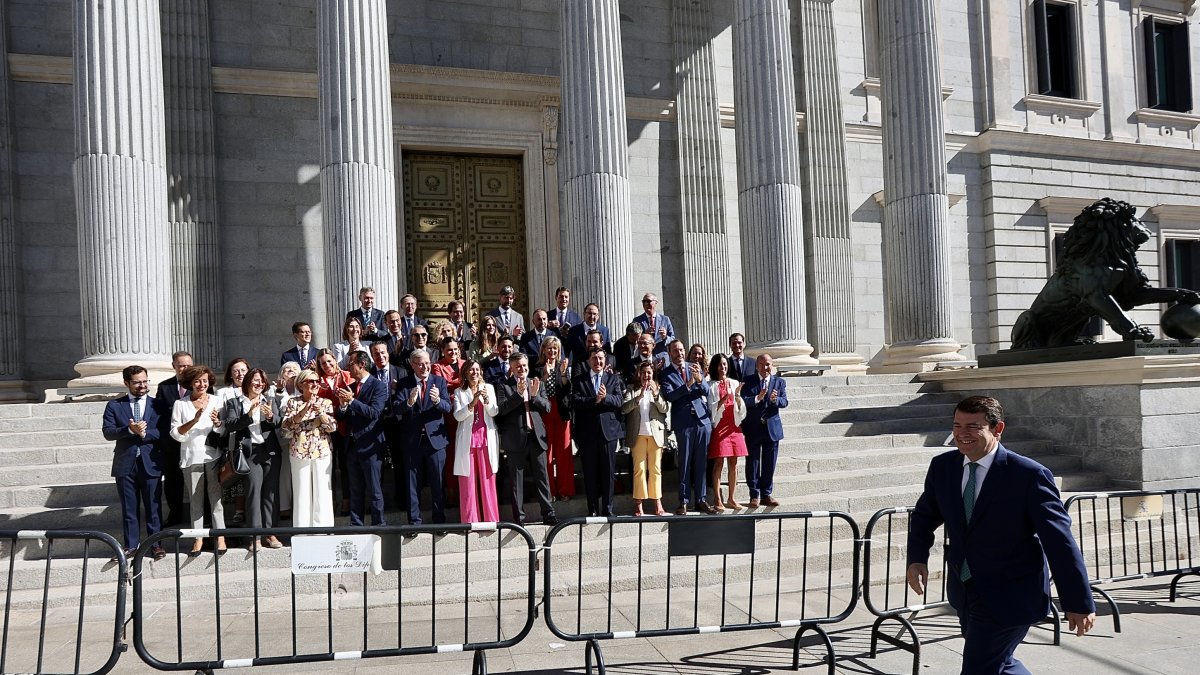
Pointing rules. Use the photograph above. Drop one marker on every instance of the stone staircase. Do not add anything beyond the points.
(853, 444)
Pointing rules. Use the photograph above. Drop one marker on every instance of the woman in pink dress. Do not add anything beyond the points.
(727, 442)
(449, 366)
(476, 447)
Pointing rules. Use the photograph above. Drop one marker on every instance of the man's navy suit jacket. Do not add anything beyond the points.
(364, 417)
(426, 417)
(762, 417)
(1017, 524)
(130, 449)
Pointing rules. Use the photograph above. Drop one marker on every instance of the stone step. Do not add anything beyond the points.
(51, 423)
(833, 379)
(68, 454)
(910, 424)
(41, 410)
(805, 390)
(890, 398)
(52, 474)
(98, 493)
(50, 439)
(919, 409)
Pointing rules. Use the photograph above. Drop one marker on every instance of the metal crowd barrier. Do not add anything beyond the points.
(821, 558)
(29, 589)
(885, 587)
(1122, 544)
(336, 594)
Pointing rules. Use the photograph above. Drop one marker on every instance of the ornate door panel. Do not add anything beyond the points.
(464, 231)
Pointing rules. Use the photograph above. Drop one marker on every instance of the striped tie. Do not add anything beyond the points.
(968, 507)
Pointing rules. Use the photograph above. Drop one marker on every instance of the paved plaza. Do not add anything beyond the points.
(1157, 637)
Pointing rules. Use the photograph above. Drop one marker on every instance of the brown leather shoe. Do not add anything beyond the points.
(682, 510)
(753, 504)
(770, 501)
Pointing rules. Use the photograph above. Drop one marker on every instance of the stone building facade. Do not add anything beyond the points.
(201, 173)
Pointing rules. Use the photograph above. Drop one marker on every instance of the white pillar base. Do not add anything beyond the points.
(846, 363)
(785, 352)
(918, 357)
(103, 371)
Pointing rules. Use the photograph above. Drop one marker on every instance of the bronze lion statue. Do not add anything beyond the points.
(1096, 275)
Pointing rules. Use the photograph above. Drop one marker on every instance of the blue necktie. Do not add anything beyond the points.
(968, 508)
(137, 410)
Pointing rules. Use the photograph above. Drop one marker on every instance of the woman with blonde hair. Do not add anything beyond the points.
(307, 423)
(645, 412)
(330, 379)
(476, 447)
(554, 370)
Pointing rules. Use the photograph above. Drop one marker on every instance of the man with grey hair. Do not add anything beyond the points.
(522, 402)
(421, 403)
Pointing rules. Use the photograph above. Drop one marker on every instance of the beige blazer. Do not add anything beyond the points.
(633, 417)
(718, 407)
(462, 439)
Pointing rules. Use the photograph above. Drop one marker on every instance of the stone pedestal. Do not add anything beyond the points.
(598, 260)
(769, 178)
(1136, 418)
(358, 182)
(121, 189)
(916, 234)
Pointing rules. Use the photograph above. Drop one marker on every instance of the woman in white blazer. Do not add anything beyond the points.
(727, 442)
(476, 447)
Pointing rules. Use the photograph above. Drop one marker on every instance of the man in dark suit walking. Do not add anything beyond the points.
(369, 317)
(132, 422)
(765, 394)
(1004, 519)
(304, 352)
(522, 402)
(422, 402)
(596, 397)
(684, 387)
(361, 406)
(169, 391)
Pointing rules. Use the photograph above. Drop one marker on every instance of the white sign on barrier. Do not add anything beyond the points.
(333, 553)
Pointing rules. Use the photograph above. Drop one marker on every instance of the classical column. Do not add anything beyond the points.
(829, 262)
(769, 195)
(358, 185)
(598, 265)
(12, 387)
(916, 238)
(705, 315)
(191, 180)
(121, 189)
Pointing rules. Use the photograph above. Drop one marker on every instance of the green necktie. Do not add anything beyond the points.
(968, 507)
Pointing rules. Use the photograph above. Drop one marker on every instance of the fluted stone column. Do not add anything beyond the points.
(191, 180)
(598, 262)
(120, 189)
(705, 315)
(916, 237)
(12, 387)
(358, 186)
(769, 177)
(829, 263)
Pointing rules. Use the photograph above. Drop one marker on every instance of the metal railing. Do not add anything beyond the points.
(35, 587)
(1150, 533)
(885, 589)
(340, 593)
(755, 571)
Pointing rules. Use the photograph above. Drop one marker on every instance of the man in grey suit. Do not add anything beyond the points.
(508, 319)
(522, 401)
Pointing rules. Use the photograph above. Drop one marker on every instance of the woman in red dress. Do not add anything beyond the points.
(552, 368)
(727, 442)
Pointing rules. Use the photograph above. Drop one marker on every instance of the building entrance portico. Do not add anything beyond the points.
(464, 231)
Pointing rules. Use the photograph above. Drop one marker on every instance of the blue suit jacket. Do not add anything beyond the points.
(293, 354)
(577, 338)
(762, 417)
(376, 318)
(364, 418)
(603, 420)
(1017, 524)
(531, 342)
(426, 417)
(126, 455)
(689, 402)
(744, 371)
(660, 321)
(569, 317)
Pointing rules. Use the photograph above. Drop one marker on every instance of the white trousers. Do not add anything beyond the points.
(312, 492)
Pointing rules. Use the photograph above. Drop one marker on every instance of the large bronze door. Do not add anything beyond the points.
(464, 231)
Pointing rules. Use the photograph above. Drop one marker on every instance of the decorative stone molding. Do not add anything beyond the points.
(550, 134)
(1176, 127)
(1062, 115)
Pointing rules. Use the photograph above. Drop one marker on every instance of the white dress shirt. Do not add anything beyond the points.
(985, 463)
